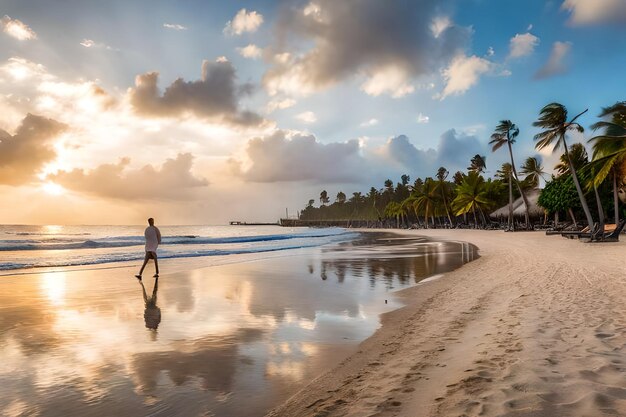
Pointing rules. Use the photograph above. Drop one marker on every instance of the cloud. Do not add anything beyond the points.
(215, 96)
(370, 122)
(391, 80)
(522, 44)
(289, 157)
(386, 43)
(20, 69)
(90, 43)
(453, 151)
(172, 181)
(422, 118)
(17, 29)
(307, 117)
(589, 12)
(463, 73)
(280, 104)
(402, 151)
(555, 64)
(174, 26)
(439, 25)
(250, 51)
(490, 51)
(25, 153)
(243, 21)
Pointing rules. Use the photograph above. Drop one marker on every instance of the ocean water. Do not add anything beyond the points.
(59, 246)
(232, 339)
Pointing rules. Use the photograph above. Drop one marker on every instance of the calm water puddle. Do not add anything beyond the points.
(230, 340)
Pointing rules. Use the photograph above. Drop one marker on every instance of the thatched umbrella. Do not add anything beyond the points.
(518, 206)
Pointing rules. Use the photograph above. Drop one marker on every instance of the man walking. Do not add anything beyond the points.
(153, 238)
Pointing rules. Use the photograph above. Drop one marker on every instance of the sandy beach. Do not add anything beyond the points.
(535, 327)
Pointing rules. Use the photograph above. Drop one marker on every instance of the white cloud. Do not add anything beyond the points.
(174, 26)
(421, 118)
(280, 104)
(587, 12)
(370, 122)
(20, 69)
(463, 73)
(522, 45)
(392, 80)
(174, 180)
(529, 28)
(439, 25)
(250, 51)
(293, 156)
(490, 51)
(17, 29)
(307, 117)
(244, 21)
(90, 43)
(555, 64)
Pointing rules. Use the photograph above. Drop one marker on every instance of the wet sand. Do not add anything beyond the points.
(535, 327)
(233, 339)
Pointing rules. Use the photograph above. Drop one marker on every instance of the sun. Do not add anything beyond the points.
(53, 189)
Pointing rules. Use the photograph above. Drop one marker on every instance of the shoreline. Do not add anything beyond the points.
(534, 327)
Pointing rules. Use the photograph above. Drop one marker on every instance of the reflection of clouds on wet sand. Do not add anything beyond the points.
(77, 342)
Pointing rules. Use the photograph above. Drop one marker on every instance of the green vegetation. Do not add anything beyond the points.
(467, 199)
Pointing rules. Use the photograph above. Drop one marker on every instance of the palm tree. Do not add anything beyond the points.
(470, 195)
(533, 171)
(609, 149)
(394, 209)
(505, 175)
(442, 174)
(505, 133)
(478, 164)
(579, 156)
(426, 201)
(324, 197)
(553, 119)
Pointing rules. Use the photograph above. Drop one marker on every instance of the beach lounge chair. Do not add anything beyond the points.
(610, 234)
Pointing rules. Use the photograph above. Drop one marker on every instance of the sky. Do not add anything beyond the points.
(201, 112)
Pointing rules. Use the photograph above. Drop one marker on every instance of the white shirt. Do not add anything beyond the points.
(153, 238)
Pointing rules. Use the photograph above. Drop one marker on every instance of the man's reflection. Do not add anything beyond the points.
(152, 314)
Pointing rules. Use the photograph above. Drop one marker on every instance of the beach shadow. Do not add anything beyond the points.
(152, 313)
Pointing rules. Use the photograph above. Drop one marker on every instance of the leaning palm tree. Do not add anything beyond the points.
(553, 119)
(478, 163)
(533, 171)
(505, 133)
(609, 149)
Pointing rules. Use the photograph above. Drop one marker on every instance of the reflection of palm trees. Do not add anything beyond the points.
(407, 261)
(152, 314)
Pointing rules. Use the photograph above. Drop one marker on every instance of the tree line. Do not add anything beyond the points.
(579, 184)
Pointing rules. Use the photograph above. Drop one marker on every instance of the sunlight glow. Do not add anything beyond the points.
(53, 189)
(53, 287)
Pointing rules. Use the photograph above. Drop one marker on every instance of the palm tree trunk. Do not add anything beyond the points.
(615, 197)
(571, 214)
(519, 187)
(445, 203)
(511, 202)
(475, 220)
(600, 213)
(581, 196)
